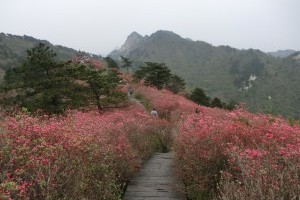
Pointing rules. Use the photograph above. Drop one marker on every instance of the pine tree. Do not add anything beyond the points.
(176, 84)
(199, 97)
(111, 63)
(216, 102)
(102, 87)
(158, 75)
(44, 83)
(230, 106)
(127, 63)
(140, 73)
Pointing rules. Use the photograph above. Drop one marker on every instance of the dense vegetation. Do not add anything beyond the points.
(238, 155)
(223, 154)
(77, 155)
(198, 96)
(13, 51)
(88, 155)
(159, 76)
(218, 153)
(92, 153)
(42, 83)
(266, 83)
(282, 53)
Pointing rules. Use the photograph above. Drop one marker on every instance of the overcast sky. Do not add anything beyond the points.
(99, 26)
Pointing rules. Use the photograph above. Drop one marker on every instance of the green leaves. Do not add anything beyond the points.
(176, 84)
(111, 63)
(158, 75)
(44, 83)
(126, 63)
(102, 86)
(199, 97)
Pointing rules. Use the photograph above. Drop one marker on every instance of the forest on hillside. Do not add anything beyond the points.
(75, 133)
(265, 83)
(13, 51)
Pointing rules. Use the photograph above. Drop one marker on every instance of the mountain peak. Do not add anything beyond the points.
(134, 34)
(164, 33)
(131, 42)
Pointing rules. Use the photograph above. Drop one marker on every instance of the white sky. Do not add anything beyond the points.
(99, 26)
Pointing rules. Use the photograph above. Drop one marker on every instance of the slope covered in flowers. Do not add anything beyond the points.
(218, 154)
(238, 155)
(83, 155)
(165, 101)
(231, 155)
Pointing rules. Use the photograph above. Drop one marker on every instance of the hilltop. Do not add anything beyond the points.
(283, 53)
(13, 51)
(266, 83)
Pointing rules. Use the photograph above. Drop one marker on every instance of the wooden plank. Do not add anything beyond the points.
(155, 181)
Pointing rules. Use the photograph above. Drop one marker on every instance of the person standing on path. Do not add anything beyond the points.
(154, 112)
(130, 91)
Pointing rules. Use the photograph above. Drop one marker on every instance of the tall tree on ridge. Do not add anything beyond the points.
(140, 73)
(216, 102)
(45, 83)
(127, 63)
(102, 86)
(176, 84)
(199, 97)
(158, 75)
(111, 63)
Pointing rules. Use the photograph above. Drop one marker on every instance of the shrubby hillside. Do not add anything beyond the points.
(13, 51)
(218, 154)
(92, 152)
(282, 53)
(225, 155)
(266, 83)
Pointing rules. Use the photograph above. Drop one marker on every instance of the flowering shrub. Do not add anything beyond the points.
(230, 155)
(83, 155)
(170, 107)
(218, 154)
(166, 103)
(238, 155)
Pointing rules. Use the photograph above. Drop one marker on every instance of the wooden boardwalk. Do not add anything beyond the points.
(155, 181)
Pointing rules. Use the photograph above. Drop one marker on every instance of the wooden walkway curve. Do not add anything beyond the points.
(155, 181)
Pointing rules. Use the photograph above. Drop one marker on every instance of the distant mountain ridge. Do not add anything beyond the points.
(13, 51)
(282, 53)
(266, 83)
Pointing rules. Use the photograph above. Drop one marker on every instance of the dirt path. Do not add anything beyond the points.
(155, 181)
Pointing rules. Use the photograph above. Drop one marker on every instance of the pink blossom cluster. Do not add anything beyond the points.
(230, 155)
(165, 102)
(238, 155)
(87, 155)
